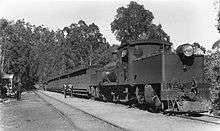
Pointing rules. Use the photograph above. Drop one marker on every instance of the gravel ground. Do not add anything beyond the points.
(79, 119)
(132, 118)
(31, 113)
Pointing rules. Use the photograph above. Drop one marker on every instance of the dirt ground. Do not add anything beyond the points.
(31, 113)
(135, 119)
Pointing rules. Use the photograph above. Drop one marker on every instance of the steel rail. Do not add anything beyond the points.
(218, 117)
(199, 119)
(61, 113)
(94, 116)
(180, 116)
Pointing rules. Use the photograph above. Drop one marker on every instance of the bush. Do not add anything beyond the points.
(212, 71)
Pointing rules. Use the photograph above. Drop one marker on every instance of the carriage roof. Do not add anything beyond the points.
(145, 42)
(67, 72)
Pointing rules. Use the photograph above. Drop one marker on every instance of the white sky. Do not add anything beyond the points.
(186, 21)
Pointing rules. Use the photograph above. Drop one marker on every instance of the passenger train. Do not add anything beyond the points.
(147, 73)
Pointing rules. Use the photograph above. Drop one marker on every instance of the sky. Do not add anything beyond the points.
(185, 21)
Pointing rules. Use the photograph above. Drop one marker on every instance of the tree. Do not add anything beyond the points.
(35, 53)
(198, 49)
(16, 46)
(216, 45)
(1, 76)
(212, 69)
(85, 45)
(44, 52)
(135, 22)
(25, 48)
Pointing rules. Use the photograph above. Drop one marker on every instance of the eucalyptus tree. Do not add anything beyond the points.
(25, 48)
(212, 69)
(85, 45)
(135, 22)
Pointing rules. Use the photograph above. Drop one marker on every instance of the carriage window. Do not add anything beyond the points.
(124, 53)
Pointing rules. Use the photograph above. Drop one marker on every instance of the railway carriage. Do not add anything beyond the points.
(147, 73)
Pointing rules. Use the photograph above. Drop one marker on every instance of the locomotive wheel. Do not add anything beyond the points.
(174, 105)
(151, 98)
(164, 106)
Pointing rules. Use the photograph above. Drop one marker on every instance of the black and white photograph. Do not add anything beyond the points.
(109, 65)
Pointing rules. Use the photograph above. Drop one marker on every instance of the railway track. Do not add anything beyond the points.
(208, 119)
(63, 115)
(194, 117)
(97, 121)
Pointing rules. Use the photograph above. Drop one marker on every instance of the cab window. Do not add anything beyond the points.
(124, 56)
(142, 51)
(138, 51)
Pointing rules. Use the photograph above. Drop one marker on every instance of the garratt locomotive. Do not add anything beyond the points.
(146, 73)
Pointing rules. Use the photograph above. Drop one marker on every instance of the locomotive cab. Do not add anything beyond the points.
(137, 61)
(141, 49)
(152, 68)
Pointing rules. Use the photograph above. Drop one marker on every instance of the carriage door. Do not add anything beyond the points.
(125, 60)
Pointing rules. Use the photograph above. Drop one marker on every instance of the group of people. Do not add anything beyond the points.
(8, 91)
(66, 89)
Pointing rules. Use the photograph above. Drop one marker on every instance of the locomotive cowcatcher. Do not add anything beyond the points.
(146, 73)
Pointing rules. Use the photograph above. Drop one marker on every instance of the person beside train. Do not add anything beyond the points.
(19, 90)
(194, 87)
(71, 90)
(64, 90)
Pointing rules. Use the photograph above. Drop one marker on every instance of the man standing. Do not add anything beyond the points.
(64, 90)
(18, 90)
(194, 87)
(71, 89)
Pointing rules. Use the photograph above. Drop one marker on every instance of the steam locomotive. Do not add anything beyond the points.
(146, 73)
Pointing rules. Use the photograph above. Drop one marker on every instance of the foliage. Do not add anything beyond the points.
(216, 45)
(1, 75)
(85, 45)
(35, 53)
(16, 49)
(212, 64)
(212, 69)
(135, 22)
(198, 49)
